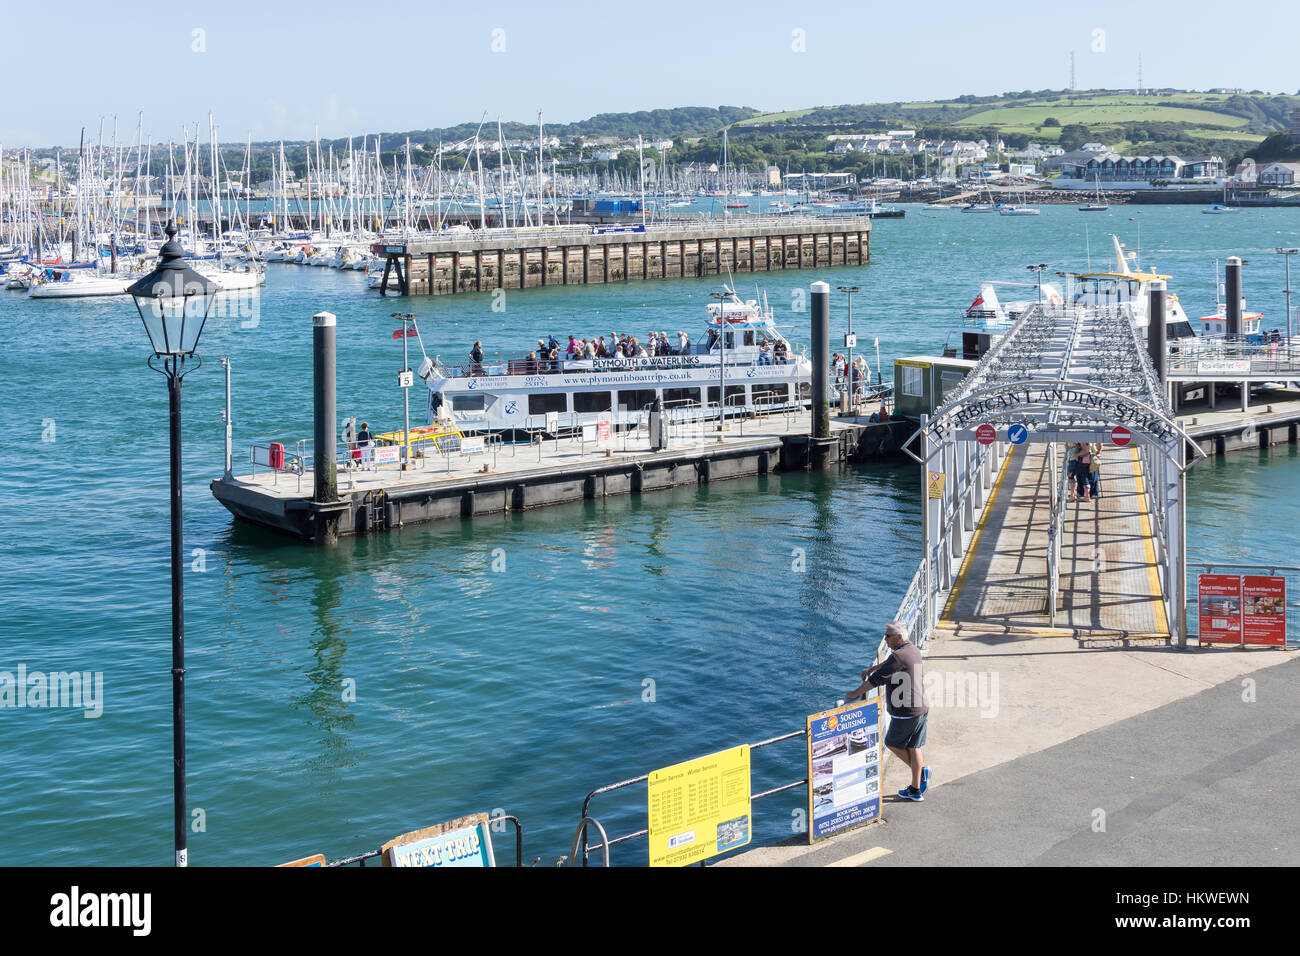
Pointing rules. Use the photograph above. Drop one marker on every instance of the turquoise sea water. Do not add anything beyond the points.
(474, 689)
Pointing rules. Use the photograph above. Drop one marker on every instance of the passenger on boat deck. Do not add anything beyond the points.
(476, 356)
(573, 344)
(600, 348)
(765, 353)
(530, 364)
(664, 347)
(684, 343)
(779, 352)
(652, 346)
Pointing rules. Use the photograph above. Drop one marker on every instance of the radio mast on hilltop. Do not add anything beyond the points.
(1139, 74)
(1072, 87)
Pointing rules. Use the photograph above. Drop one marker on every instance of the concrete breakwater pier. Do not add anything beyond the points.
(585, 255)
(510, 478)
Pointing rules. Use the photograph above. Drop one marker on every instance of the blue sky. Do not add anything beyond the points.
(279, 70)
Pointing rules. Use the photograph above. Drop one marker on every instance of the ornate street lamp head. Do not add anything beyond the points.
(173, 301)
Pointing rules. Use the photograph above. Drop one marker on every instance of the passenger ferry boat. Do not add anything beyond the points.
(741, 345)
(1128, 287)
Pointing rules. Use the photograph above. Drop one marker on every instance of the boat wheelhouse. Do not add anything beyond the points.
(742, 358)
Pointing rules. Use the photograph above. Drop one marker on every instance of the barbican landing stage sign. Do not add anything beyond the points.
(1063, 396)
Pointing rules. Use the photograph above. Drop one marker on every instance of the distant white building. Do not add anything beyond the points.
(1278, 174)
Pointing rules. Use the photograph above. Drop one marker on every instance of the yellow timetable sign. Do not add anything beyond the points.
(699, 808)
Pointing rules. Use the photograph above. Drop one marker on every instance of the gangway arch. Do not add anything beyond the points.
(961, 473)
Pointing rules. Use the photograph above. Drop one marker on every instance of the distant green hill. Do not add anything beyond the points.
(652, 124)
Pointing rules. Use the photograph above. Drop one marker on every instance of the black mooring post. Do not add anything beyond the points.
(1157, 345)
(325, 416)
(1232, 290)
(821, 361)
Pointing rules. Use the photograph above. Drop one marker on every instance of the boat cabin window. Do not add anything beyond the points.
(681, 397)
(592, 402)
(545, 402)
(732, 392)
(767, 394)
(749, 338)
(912, 381)
(1179, 330)
(635, 399)
(468, 403)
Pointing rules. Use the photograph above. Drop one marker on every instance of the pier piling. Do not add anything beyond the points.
(821, 405)
(1232, 288)
(1156, 332)
(325, 416)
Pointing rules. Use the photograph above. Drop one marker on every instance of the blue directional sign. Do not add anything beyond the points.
(1017, 434)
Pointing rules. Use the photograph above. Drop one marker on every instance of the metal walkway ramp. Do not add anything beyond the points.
(1109, 578)
(1005, 546)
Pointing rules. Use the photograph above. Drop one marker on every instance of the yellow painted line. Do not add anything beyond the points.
(960, 583)
(1153, 576)
(866, 856)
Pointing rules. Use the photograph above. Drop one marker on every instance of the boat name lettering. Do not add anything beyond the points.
(666, 361)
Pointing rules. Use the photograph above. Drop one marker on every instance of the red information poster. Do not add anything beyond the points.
(1219, 596)
(1263, 610)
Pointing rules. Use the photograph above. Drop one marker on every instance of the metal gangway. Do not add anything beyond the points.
(1005, 544)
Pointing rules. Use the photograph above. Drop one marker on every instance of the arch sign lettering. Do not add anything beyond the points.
(1036, 401)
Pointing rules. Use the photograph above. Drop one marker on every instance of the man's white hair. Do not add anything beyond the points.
(896, 629)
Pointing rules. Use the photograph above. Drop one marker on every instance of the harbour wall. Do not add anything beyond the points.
(584, 255)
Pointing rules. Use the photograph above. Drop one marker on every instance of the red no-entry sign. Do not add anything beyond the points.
(986, 434)
(1121, 435)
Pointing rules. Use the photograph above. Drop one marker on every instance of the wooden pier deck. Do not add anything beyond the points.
(485, 260)
(1110, 583)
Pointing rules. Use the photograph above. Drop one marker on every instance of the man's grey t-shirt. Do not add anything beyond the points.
(902, 671)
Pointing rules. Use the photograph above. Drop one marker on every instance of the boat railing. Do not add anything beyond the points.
(503, 366)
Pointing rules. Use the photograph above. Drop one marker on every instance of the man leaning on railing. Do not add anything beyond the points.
(906, 703)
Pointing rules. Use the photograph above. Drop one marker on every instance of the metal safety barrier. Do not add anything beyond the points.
(1289, 572)
(580, 844)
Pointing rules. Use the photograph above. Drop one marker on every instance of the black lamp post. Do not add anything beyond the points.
(173, 302)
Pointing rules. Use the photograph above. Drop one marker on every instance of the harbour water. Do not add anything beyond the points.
(513, 663)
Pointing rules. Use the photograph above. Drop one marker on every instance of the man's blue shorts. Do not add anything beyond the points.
(906, 733)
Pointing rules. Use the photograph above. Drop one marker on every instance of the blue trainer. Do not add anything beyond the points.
(908, 793)
(925, 779)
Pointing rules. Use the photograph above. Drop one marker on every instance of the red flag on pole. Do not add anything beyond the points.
(400, 333)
